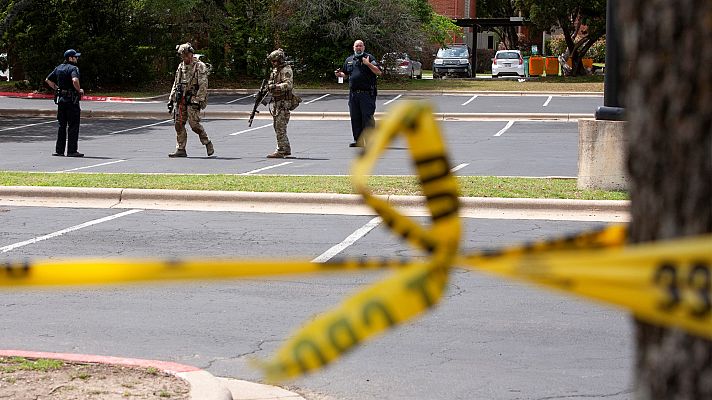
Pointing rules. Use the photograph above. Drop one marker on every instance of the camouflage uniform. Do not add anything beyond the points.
(280, 85)
(195, 76)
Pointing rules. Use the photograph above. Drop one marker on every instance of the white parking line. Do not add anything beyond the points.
(318, 98)
(509, 125)
(63, 231)
(254, 171)
(241, 98)
(91, 166)
(392, 100)
(251, 129)
(468, 101)
(139, 127)
(546, 103)
(351, 239)
(459, 167)
(25, 126)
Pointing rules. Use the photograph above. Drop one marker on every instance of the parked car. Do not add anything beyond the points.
(508, 63)
(402, 64)
(453, 60)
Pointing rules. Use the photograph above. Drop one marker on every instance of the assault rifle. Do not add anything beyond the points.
(259, 97)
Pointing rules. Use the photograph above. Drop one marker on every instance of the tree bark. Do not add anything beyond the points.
(668, 98)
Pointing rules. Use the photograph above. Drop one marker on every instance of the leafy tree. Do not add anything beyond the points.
(440, 29)
(108, 34)
(129, 42)
(320, 33)
(583, 22)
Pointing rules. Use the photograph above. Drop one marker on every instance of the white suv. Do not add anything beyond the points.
(508, 62)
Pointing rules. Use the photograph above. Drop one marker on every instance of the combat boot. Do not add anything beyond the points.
(277, 154)
(209, 147)
(178, 153)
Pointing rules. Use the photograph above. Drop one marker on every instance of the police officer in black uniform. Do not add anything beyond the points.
(64, 80)
(362, 70)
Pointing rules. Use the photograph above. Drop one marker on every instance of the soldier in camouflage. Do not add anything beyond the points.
(188, 96)
(280, 86)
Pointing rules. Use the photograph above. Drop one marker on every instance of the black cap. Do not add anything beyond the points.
(71, 53)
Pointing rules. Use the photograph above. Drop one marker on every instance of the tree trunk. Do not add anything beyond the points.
(668, 99)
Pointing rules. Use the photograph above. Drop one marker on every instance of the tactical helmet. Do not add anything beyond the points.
(185, 48)
(277, 55)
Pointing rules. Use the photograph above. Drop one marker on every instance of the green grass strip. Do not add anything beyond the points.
(14, 364)
(470, 186)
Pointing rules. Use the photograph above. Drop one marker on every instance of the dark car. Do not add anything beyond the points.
(453, 60)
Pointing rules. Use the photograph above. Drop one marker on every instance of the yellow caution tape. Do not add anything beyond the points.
(409, 292)
(666, 283)
(100, 271)
(392, 301)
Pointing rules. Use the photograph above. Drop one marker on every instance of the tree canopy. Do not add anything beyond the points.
(133, 41)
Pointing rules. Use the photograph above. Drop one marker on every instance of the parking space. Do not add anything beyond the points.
(319, 148)
(46, 232)
(534, 103)
(484, 327)
(451, 103)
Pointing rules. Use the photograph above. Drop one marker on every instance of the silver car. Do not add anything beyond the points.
(508, 62)
(402, 64)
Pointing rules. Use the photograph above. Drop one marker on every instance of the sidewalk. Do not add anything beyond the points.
(306, 203)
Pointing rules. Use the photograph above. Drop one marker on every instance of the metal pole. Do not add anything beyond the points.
(612, 108)
(475, 34)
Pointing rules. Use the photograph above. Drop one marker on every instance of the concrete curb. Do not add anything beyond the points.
(203, 385)
(306, 115)
(305, 203)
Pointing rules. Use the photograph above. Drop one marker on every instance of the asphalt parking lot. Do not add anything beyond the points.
(488, 339)
(519, 148)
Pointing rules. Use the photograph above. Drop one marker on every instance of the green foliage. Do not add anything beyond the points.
(128, 43)
(598, 51)
(14, 364)
(441, 29)
(557, 45)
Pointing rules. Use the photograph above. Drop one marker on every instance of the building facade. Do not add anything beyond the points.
(457, 9)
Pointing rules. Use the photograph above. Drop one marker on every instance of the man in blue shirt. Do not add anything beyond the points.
(362, 70)
(64, 80)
